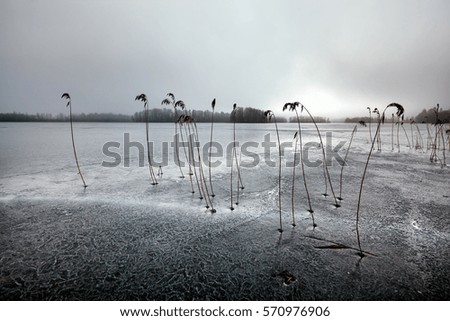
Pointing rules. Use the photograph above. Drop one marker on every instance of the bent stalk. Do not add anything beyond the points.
(400, 111)
(143, 98)
(175, 104)
(324, 158)
(269, 114)
(69, 104)
(293, 107)
(202, 174)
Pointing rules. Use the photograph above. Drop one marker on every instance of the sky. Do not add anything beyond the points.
(335, 57)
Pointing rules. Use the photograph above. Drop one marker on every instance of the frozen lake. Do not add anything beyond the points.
(124, 239)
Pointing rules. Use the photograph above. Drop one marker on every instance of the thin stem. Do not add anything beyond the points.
(231, 178)
(187, 154)
(236, 160)
(177, 149)
(412, 135)
(238, 165)
(433, 156)
(429, 138)
(398, 136)
(233, 157)
(202, 174)
(358, 206)
(209, 152)
(325, 166)
(192, 156)
(379, 134)
(293, 181)
(73, 144)
(310, 210)
(407, 138)
(238, 177)
(392, 133)
(420, 137)
(150, 166)
(360, 191)
(279, 172)
(345, 160)
(448, 138)
(441, 129)
(239, 170)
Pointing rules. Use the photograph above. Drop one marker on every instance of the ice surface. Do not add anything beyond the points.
(124, 239)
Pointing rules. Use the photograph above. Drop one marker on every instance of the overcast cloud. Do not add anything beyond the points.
(336, 57)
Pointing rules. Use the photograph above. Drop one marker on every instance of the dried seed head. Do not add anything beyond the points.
(166, 101)
(400, 109)
(180, 104)
(141, 97)
(66, 96)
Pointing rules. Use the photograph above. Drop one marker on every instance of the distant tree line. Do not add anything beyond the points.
(364, 119)
(46, 117)
(241, 115)
(165, 115)
(431, 115)
(306, 119)
(247, 115)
